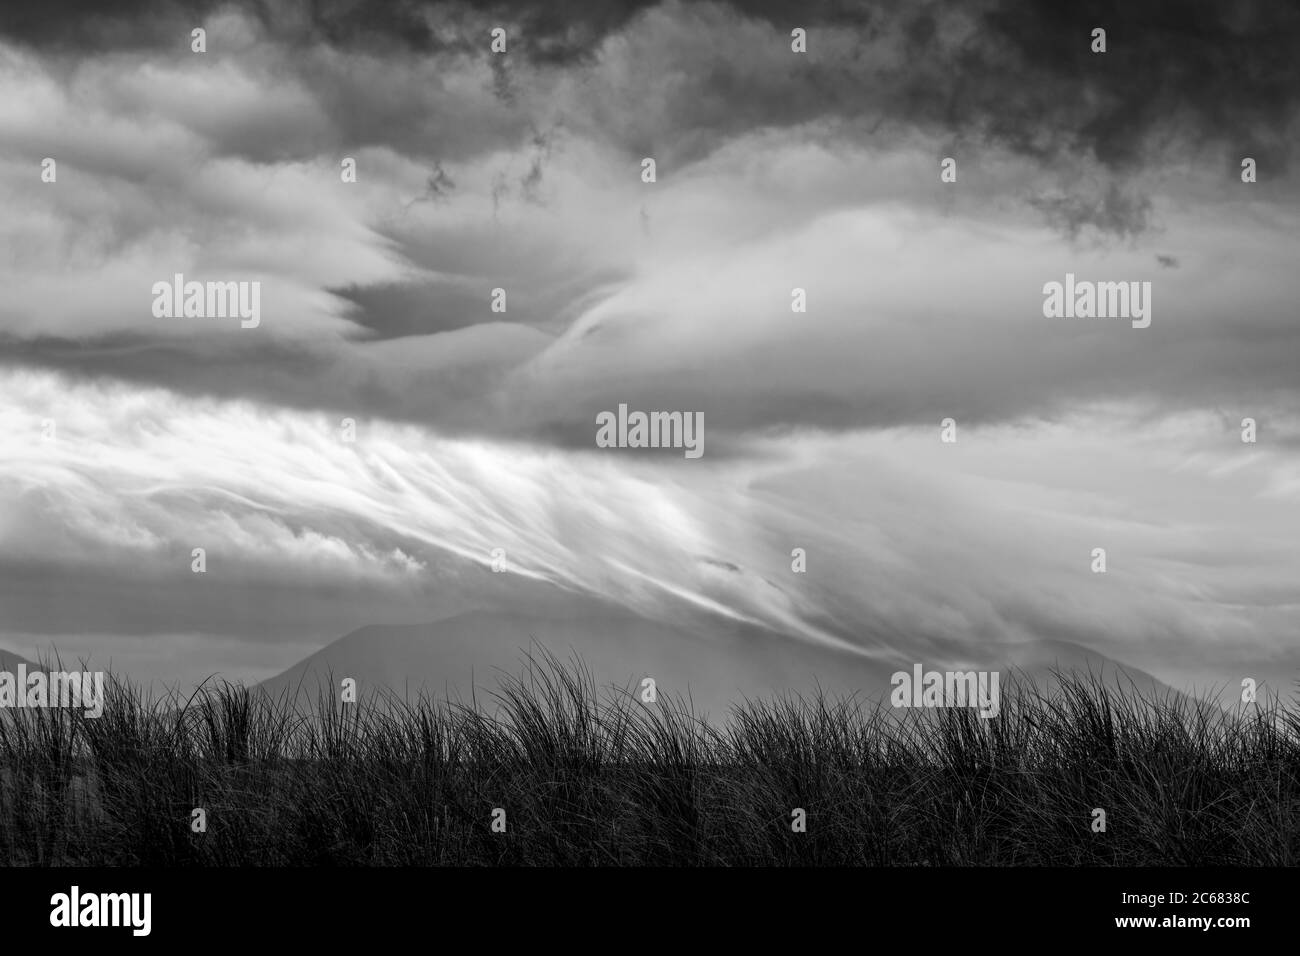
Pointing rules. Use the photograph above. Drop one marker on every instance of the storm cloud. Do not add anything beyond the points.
(499, 274)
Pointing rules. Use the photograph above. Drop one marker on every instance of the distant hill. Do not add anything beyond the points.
(9, 661)
(715, 665)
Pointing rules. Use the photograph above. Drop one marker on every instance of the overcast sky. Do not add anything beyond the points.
(775, 170)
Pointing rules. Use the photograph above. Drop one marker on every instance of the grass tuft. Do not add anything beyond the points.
(591, 777)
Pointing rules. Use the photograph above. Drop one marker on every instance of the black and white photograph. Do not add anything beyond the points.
(691, 435)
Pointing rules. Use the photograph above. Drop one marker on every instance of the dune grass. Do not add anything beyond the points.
(594, 777)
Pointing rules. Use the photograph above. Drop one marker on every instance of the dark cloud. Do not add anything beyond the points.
(85, 26)
(400, 309)
(556, 31)
(1225, 72)
(1113, 211)
(438, 185)
(1024, 77)
(1176, 76)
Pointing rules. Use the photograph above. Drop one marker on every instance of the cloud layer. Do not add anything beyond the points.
(775, 171)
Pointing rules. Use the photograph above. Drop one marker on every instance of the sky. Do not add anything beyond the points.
(775, 170)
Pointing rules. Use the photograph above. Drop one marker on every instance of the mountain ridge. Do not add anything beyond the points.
(714, 667)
